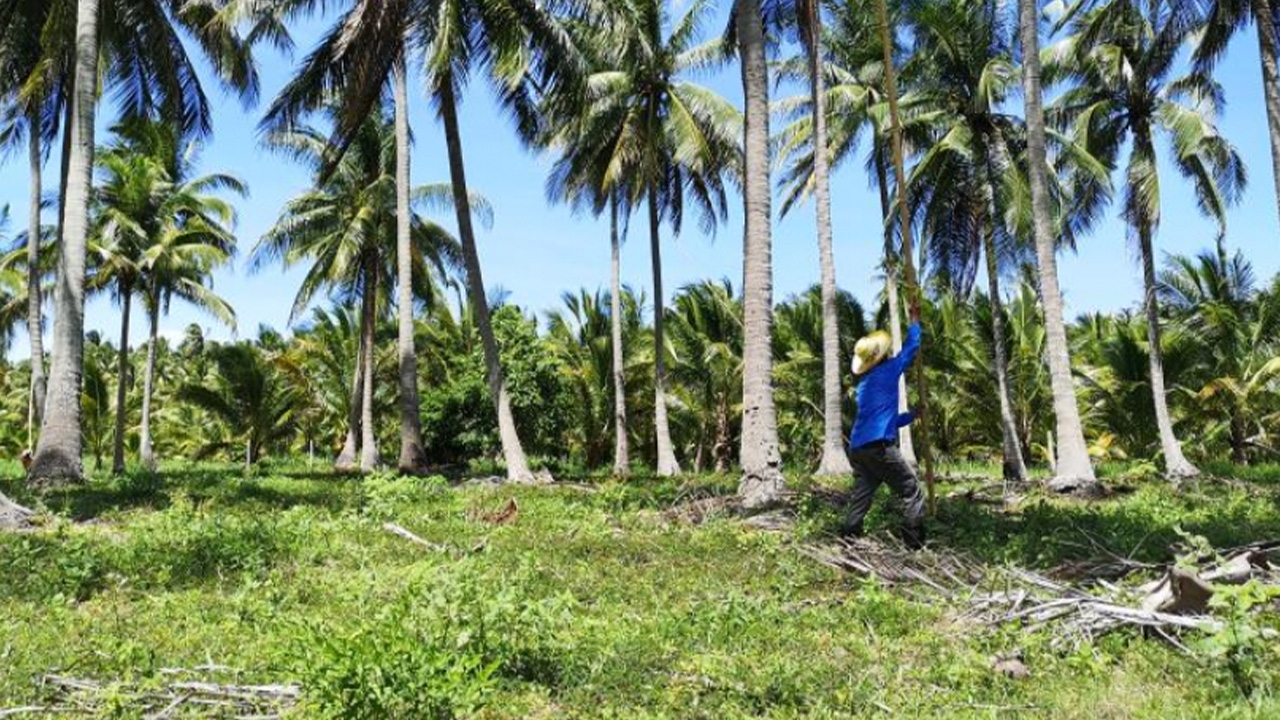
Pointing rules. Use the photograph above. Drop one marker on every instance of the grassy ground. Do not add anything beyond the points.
(588, 604)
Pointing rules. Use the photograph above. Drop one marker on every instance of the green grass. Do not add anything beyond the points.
(587, 605)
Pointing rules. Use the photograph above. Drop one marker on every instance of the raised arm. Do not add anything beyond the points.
(910, 347)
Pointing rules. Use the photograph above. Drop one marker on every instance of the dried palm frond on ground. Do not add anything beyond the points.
(176, 698)
(506, 514)
(1177, 601)
(888, 560)
(699, 510)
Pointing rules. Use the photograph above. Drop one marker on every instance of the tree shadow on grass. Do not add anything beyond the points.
(226, 488)
(1044, 532)
(160, 553)
(1144, 526)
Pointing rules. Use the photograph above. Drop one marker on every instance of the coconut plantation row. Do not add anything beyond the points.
(419, 498)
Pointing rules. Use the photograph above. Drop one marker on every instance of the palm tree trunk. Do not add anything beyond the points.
(512, 450)
(35, 319)
(413, 458)
(1176, 464)
(146, 454)
(904, 223)
(1267, 51)
(370, 459)
(348, 457)
(721, 448)
(1072, 469)
(122, 377)
(1238, 439)
(621, 459)
(762, 480)
(905, 444)
(1014, 468)
(834, 461)
(667, 463)
(58, 454)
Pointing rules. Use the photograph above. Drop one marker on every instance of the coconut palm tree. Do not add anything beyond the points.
(581, 336)
(343, 228)
(1215, 299)
(124, 220)
(248, 397)
(150, 71)
(194, 237)
(518, 44)
(1223, 20)
(961, 174)
(1121, 60)
(1072, 468)
(359, 59)
(798, 359)
(57, 457)
(321, 363)
(27, 96)
(579, 177)
(809, 21)
(762, 480)
(897, 149)
(649, 136)
(855, 99)
(706, 335)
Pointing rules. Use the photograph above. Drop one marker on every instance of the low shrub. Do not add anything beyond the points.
(438, 650)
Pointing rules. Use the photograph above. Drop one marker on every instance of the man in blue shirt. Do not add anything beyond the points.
(873, 443)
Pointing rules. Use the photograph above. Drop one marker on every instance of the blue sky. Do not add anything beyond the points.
(535, 251)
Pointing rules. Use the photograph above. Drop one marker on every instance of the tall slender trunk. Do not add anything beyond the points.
(1176, 464)
(64, 171)
(1267, 56)
(1014, 468)
(904, 222)
(621, 459)
(667, 463)
(35, 318)
(1239, 439)
(122, 378)
(413, 458)
(58, 457)
(512, 450)
(892, 264)
(146, 454)
(1072, 469)
(762, 481)
(834, 460)
(370, 458)
(348, 457)
(722, 450)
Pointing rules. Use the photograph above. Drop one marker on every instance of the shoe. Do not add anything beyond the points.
(914, 537)
(850, 532)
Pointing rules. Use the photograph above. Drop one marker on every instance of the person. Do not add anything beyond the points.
(873, 442)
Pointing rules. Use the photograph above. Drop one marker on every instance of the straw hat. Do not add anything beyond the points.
(870, 351)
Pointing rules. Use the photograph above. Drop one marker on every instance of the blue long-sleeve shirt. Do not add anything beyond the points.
(878, 418)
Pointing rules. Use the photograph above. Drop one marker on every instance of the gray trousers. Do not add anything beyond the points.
(884, 464)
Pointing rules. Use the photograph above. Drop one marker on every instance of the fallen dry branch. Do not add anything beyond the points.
(400, 531)
(91, 697)
(890, 562)
(1175, 603)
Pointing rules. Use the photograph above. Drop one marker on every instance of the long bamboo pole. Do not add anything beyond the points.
(908, 262)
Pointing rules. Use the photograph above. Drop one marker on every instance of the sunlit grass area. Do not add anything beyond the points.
(587, 603)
